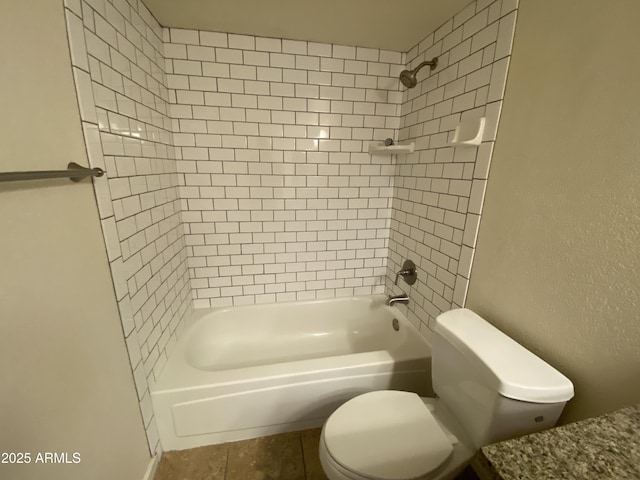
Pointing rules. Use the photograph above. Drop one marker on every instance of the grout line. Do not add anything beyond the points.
(304, 464)
(226, 465)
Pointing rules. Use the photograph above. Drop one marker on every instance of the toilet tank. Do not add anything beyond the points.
(496, 388)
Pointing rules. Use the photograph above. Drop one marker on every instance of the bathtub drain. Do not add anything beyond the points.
(395, 324)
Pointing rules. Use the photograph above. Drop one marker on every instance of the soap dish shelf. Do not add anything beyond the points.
(468, 133)
(379, 148)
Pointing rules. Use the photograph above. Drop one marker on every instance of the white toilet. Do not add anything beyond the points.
(489, 388)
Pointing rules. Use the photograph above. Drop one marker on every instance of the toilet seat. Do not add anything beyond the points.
(388, 435)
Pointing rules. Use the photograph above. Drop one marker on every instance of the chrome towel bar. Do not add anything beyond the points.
(74, 172)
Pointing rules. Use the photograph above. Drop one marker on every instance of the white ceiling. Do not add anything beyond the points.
(396, 25)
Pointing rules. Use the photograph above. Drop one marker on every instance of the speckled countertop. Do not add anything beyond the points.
(604, 447)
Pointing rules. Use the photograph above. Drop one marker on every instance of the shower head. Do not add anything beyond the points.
(408, 77)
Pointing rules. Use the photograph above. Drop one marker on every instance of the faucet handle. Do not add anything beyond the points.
(408, 272)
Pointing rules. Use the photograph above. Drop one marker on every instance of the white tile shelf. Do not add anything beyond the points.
(379, 148)
(468, 133)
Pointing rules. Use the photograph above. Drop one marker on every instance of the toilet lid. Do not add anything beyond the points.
(386, 435)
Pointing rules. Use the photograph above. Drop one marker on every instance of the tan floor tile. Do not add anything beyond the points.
(310, 443)
(204, 463)
(277, 457)
(287, 456)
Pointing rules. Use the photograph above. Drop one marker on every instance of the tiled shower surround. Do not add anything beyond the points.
(281, 199)
(439, 189)
(238, 168)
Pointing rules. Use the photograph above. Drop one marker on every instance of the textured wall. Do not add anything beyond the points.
(558, 257)
(66, 383)
(439, 190)
(281, 200)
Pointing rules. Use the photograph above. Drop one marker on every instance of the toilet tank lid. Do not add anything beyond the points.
(513, 370)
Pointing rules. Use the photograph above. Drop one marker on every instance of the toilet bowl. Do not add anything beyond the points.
(489, 387)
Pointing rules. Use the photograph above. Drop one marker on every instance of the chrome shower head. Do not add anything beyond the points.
(408, 77)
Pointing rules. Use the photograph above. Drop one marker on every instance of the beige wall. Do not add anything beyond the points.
(558, 259)
(66, 385)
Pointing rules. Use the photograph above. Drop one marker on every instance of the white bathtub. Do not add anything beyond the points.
(244, 372)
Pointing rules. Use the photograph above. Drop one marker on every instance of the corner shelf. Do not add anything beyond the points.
(468, 133)
(379, 148)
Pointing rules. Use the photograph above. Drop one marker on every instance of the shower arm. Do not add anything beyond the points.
(433, 63)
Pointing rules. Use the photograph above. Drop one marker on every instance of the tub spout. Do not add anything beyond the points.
(403, 298)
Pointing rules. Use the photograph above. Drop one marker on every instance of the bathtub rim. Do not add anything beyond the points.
(179, 375)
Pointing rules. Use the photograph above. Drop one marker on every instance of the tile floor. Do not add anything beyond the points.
(287, 456)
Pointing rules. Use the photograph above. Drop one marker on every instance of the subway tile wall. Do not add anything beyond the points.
(118, 66)
(280, 198)
(439, 189)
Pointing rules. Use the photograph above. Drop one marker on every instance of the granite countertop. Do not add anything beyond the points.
(604, 447)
